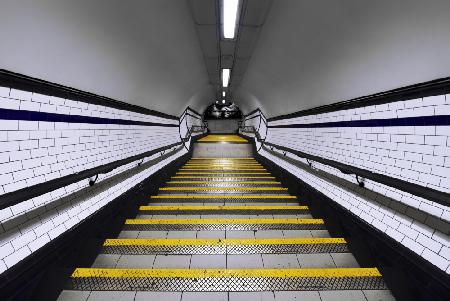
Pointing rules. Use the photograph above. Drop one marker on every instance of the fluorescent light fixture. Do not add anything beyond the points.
(225, 77)
(223, 93)
(229, 15)
(223, 100)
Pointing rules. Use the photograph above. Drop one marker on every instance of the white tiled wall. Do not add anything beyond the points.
(33, 152)
(419, 154)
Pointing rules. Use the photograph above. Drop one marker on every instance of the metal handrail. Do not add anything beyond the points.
(21, 195)
(431, 194)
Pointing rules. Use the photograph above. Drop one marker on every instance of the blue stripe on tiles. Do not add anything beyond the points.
(8, 114)
(407, 121)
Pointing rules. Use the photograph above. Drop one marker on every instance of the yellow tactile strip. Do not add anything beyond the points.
(211, 196)
(225, 280)
(223, 138)
(223, 158)
(221, 208)
(221, 172)
(233, 177)
(222, 182)
(202, 273)
(223, 188)
(144, 246)
(222, 165)
(222, 168)
(220, 242)
(226, 221)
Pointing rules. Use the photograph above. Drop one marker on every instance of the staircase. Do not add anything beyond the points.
(225, 229)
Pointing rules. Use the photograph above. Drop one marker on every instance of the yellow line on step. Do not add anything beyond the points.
(226, 273)
(244, 221)
(223, 182)
(223, 188)
(221, 242)
(234, 177)
(225, 208)
(223, 172)
(212, 196)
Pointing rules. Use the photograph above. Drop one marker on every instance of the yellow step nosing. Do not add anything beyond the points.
(222, 158)
(228, 273)
(223, 165)
(223, 188)
(219, 242)
(212, 207)
(224, 172)
(212, 196)
(251, 221)
(223, 182)
(234, 177)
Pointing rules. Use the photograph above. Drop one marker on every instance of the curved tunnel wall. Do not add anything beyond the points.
(66, 137)
(145, 53)
(391, 139)
(313, 53)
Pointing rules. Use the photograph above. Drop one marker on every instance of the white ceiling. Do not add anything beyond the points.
(152, 53)
(312, 53)
(144, 52)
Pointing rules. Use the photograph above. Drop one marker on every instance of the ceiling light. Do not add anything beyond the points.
(225, 77)
(223, 93)
(229, 15)
(223, 100)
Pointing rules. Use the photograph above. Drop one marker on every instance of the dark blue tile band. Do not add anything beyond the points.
(7, 114)
(407, 121)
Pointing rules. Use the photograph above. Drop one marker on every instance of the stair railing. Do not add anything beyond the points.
(24, 194)
(431, 194)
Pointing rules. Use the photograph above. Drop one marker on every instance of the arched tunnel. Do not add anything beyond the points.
(224, 150)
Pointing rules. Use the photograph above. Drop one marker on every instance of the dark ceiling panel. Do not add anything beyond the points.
(204, 11)
(227, 61)
(227, 47)
(255, 12)
(248, 36)
(240, 65)
(208, 40)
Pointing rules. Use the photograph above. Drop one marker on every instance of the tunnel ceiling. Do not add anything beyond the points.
(142, 52)
(312, 53)
(288, 55)
(220, 53)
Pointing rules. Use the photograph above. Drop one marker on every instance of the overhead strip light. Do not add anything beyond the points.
(223, 100)
(229, 15)
(225, 77)
(223, 93)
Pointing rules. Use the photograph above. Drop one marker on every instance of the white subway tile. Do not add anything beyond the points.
(38, 243)
(429, 243)
(25, 125)
(4, 91)
(6, 249)
(17, 256)
(19, 94)
(435, 259)
(8, 103)
(436, 140)
(412, 245)
(9, 125)
(23, 240)
(26, 105)
(409, 232)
